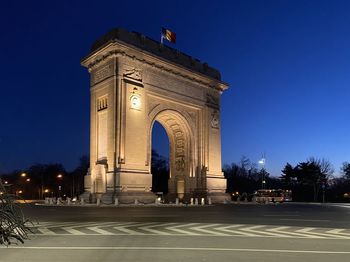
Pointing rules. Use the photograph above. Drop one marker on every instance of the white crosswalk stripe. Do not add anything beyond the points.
(188, 229)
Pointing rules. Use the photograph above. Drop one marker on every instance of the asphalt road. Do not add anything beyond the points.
(246, 232)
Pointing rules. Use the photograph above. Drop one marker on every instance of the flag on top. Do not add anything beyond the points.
(168, 35)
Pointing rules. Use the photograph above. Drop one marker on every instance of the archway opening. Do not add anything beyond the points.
(160, 168)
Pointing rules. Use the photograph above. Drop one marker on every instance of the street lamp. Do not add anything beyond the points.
(262, 162)
(23, 174)
(59, 177)
(45, 192)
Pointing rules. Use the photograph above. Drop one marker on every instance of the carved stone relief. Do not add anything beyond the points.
(101, 73)
(180, 163)
(215, 119)
(133, 73)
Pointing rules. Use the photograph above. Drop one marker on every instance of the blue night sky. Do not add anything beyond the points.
(287, 63)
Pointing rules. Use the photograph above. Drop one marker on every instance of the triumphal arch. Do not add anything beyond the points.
(136, 81)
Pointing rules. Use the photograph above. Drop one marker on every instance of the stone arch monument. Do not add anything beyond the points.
(136, 81)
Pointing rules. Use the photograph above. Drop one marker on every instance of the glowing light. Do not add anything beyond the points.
(28, 179)
(46, 191)
(6, 182)
(59, 176)
(23, 175)
(135, 102)
(262, 161)
(20, 192)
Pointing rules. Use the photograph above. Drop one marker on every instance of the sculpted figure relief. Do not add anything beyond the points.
(180, 163)
(133, 73)
(215, 122)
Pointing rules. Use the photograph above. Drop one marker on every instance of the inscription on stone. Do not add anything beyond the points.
(102, 73)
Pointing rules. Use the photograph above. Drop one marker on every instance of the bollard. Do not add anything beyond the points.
(68, 201)
(202, 201)
(46, 200)
(116, 201)
(98, 202)
(209, 200)
(177, 201)
(196, 201)
(191, 201)
(58, 201)
(82, 201)
(136, 202)
(50, 201)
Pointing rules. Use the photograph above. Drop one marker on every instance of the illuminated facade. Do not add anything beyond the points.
(136, 81)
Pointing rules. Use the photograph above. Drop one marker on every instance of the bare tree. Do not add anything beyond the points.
(345, 169)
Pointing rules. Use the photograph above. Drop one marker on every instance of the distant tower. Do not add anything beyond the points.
(136, 81)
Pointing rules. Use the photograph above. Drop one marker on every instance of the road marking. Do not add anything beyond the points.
(45, 231)
(73, 231)
(252, 229)
(98, 229)
(187, 229)
(201, 229)
(282, 230)
(176, 229)
(72, 228)
(335, 231)
(227, 229)
(309, 229)
(180, 248)
(338, 232)
(157, 232)
(130, 231)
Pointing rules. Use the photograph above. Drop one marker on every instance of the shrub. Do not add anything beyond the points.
(14, 227)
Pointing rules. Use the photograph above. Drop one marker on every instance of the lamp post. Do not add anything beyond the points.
(24, 180)
(46, 191)
(59, 177)
(262, 163)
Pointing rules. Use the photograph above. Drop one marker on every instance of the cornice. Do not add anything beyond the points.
(95, 59)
